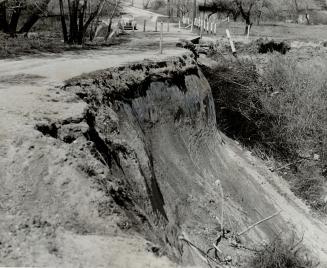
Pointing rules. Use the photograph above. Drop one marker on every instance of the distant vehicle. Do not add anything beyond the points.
(128, 22)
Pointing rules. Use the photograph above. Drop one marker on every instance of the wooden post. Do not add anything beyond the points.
(231, 42)
(161, 36)
(144, 25)
(215, 29)
(211, 28)
(208, 26)
(168, 25)
(179, 24)
(133, 26)
(192, 27)
(156, 26)
(248, 32)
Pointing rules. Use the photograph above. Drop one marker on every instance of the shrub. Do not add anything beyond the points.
(280, 254)
(282, 111)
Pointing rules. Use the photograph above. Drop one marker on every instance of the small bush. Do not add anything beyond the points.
(271, 46)
(280, 254)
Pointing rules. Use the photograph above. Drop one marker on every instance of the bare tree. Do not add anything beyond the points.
(78, 17)
(246, 8)
(63, 21)
(111, 16)
(11, 11)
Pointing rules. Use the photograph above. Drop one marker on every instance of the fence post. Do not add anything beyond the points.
(248, 32)
(192, 26)
(168, 26)
(156, 26)
(215, 29)
(179, 24)
(161, 36)
(208, 30)
(144, 25)
(231, 42)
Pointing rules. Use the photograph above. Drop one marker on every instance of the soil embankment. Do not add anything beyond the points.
(146, 156)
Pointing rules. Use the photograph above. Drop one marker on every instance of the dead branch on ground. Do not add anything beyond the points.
(259, 222)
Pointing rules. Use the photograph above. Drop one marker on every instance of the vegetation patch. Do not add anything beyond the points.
(44, 43)
(271, 46)
(281, 254)
(280, 113)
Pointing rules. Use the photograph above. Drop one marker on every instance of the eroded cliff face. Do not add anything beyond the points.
(148, 124)
(149, 144)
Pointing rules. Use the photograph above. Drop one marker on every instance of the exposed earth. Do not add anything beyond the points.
(113, 167)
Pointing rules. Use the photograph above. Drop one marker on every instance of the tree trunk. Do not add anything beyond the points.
(245, 14)
(248, 25)
(29, 23)
(108, 30)
(110, 20)
(235, 15)
(73, 29)
(259, 18)
(307, 16)
(35, 16)
(14, 21)
(63, 21)
(78, 28)
(81, 13)
(92, 16)
(193, 12)
(3, 18)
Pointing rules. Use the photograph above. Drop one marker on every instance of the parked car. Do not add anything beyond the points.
(128, 22)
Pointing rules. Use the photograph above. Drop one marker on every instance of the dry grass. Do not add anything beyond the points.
(281, 254)
(281, 113)
(20, 45)
(298, 101)
(46, 42)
